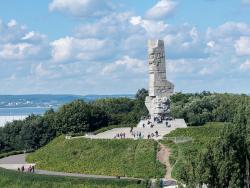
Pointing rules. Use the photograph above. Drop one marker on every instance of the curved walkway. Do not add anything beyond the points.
(17, 161)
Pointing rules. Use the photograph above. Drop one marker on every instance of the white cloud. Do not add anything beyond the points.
(12, 23)
(136, 20)
(17, 43)
(161, 10)
(180, 66)
(152, 28)
(62, 49)
(222, 39)
(126, 63)
(33, 36)
(242, 46)
(211, 44)
(82, 8)
(74, 49)
(115, 26)
(18, 51)
(115, 46)
(245, 66)
(228, 30)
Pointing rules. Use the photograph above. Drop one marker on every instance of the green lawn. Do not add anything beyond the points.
(102, 157)
(201, 136)
(12, 179)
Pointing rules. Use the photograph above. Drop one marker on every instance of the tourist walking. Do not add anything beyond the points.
(149, 136)
(156, 133)
(22, 168)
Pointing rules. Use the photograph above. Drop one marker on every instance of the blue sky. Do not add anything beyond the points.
(100, 46)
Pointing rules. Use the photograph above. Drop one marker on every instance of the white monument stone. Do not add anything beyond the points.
(160, 89)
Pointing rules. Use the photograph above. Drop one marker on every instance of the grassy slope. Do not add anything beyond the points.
(201, 136)
(103, 157)
(12, 179)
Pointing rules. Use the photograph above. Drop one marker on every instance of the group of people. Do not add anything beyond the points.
(137, 134)
(152, 135)
(29, 169)
(120, 135)
(149, 123)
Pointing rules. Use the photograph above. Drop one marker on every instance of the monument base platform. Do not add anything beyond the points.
(141, 132)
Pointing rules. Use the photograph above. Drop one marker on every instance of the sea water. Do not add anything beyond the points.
(11, 114)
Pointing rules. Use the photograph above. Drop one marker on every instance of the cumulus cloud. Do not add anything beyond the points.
(161, 10)
(18, 51)
(152, 28)
(17, 43)
(82, 8)
(126, 63)
(12, 23)
(73, 49)
(115, 26)
(242, 46)
(114, 47)
(224, 39)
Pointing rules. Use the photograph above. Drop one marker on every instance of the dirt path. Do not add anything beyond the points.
(163, 157)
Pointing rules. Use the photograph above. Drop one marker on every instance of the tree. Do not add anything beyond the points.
(224, 162)
(79, 117)
(141, 94)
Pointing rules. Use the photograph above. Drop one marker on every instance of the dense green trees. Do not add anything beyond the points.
(80, 116)
(76, 117)
(29, 134)
(197, 109)
(223, 162)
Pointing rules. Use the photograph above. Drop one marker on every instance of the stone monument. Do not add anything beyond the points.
(160, 89)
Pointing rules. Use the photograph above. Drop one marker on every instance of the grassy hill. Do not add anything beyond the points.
(12, 179)
(102, 157)
(182, 152)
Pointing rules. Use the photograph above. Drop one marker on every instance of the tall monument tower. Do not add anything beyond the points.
(160, 89)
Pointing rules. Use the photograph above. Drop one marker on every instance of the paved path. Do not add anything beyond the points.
(52, 173)
(17, 161)
(14, 162)
(14, 159)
